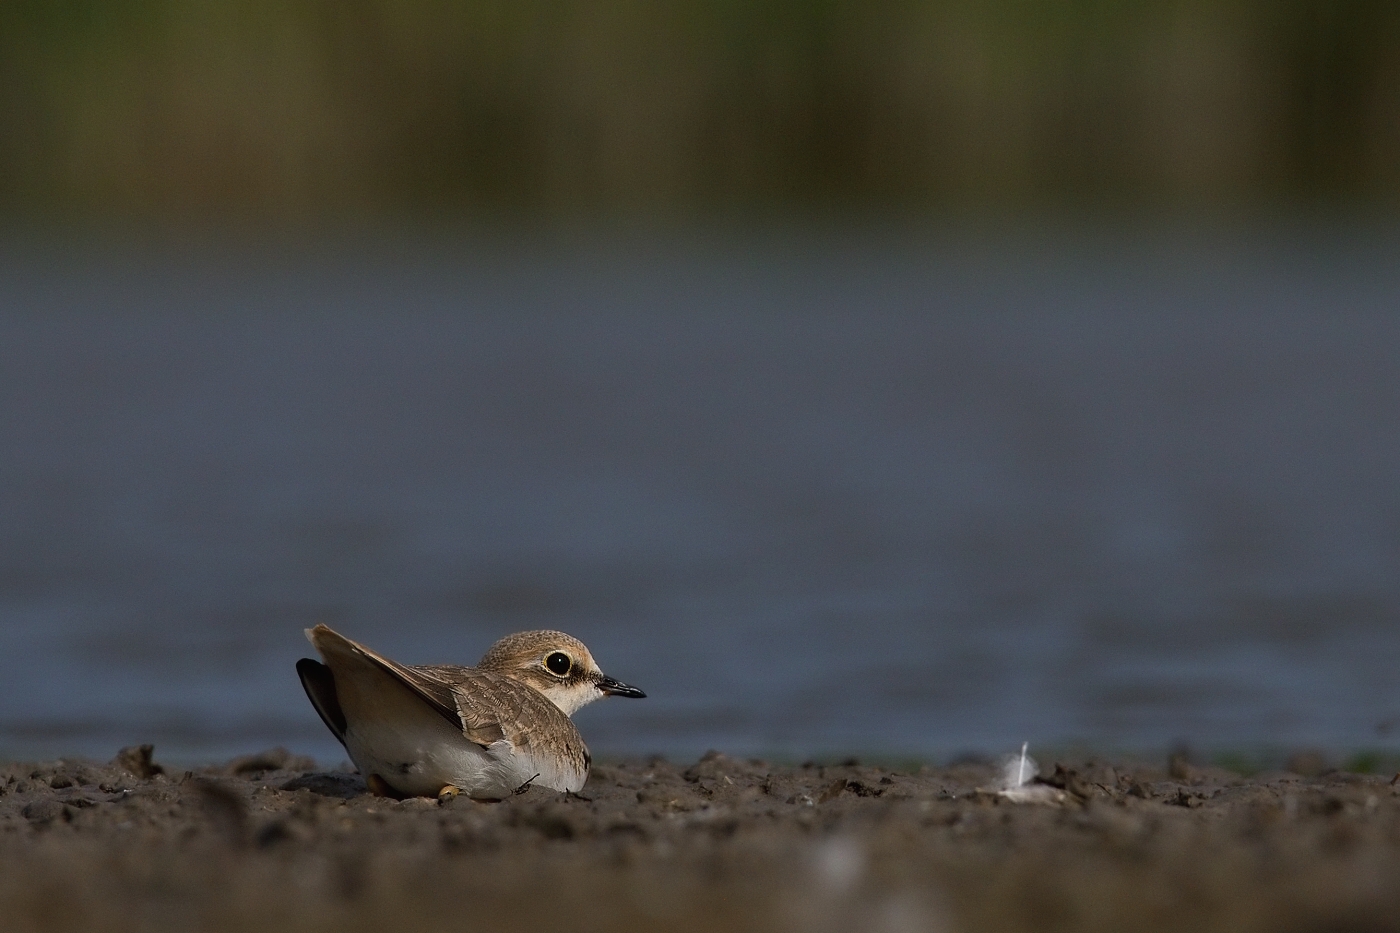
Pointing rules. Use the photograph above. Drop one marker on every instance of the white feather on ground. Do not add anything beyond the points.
(1017, 781)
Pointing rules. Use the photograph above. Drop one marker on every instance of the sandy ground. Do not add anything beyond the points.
(267, 842)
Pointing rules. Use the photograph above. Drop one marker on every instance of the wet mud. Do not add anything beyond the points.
(269, 842)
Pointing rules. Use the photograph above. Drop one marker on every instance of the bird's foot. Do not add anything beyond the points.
(379, 787)
(526, 786)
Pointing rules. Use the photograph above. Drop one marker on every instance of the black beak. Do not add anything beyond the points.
(616, 688)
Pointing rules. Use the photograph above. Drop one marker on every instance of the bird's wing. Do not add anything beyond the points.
(432, 690)
(319, 684)
(495, 708)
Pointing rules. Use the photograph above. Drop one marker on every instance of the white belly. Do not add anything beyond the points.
(421, 761)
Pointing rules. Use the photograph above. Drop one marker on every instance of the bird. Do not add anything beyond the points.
(440, 730)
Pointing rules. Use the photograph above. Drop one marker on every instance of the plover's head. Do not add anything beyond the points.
(555, 664)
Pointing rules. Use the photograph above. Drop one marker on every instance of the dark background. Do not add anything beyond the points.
(312, 111)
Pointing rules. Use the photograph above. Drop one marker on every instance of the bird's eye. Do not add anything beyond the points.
(558, 663)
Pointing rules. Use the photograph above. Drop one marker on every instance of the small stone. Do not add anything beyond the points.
(139, 760)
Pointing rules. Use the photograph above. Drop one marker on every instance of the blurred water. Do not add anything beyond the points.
(815, 498)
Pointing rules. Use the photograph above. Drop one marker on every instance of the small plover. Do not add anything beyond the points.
(438, 730)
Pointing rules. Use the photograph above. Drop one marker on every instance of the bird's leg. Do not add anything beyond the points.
(448, 792)
(378, 786)
(526, 786)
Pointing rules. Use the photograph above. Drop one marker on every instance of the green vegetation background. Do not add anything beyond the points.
(327, 109)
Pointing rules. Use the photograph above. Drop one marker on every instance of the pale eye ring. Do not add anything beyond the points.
(558, 663)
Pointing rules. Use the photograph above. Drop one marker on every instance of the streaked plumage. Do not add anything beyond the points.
(487, 730)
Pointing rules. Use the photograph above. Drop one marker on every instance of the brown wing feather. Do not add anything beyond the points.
(494, 707)
(436, 693)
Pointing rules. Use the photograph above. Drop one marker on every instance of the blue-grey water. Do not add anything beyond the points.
(818, 497)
